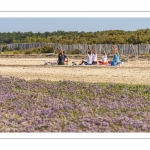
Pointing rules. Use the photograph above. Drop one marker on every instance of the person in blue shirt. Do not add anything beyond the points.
(116, 56)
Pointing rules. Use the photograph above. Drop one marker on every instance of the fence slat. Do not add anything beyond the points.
(131, 49)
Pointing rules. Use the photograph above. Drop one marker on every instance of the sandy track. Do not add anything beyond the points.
(132, 72)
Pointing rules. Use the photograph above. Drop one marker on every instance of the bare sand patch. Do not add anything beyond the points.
(132, 72)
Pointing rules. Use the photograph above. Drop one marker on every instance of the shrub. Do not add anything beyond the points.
(35, 50)
(75, 51)
(5, 48)
(28, 52)
(47, 49)
(17, 48)
(32, 51)
(44, 49)
(16, 52)
(145, 54)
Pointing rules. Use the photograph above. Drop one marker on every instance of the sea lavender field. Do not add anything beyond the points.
(67, 106)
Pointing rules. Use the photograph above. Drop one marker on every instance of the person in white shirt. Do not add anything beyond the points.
(89, 57)
(104, 59)
(94, 57)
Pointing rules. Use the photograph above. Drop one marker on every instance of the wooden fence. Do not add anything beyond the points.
(122, 48)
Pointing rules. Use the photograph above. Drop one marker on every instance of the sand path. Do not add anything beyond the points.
(132, 72)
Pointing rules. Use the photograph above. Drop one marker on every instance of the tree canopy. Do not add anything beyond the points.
(141, 36)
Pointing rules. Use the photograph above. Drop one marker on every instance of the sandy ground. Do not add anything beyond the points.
(132, 72)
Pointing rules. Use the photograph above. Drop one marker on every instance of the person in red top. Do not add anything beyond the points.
(104, 59)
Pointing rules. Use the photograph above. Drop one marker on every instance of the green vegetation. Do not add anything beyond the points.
(141, 36)
(75, 51)
(39, 50)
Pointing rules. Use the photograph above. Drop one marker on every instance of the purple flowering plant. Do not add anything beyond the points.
(67, 106)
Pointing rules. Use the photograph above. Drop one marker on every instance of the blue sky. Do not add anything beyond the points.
(72, 24)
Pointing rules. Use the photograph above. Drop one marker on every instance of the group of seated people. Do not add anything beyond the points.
(92, 58)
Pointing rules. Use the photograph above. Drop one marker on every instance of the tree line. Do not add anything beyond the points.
(140, 36)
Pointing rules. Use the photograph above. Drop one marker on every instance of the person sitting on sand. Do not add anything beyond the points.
(60, 58)
(116, 59)
(104, 59)
(89, 57)
(65, 58)
(116, 56)
(94, 57)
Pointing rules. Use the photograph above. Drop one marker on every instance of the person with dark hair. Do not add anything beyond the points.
(89, 57)
(60, 58)
(65, 58)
